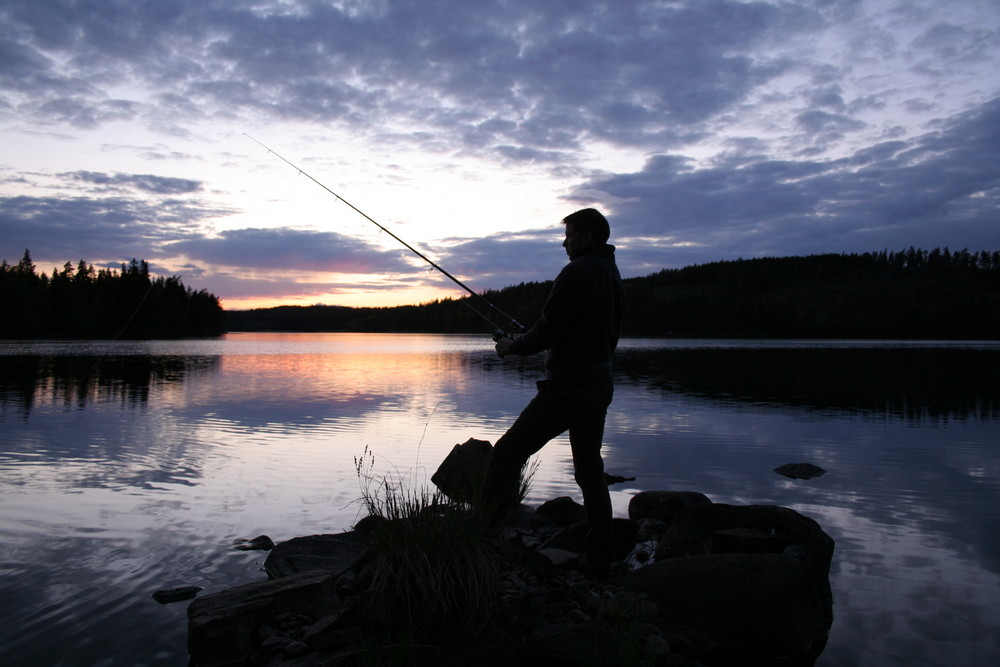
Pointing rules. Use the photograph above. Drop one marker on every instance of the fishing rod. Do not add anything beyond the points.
(498, 332)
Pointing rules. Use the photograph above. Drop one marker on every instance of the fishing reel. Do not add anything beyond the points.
(500, 333)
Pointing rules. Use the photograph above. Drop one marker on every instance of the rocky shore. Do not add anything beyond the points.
(698, 583)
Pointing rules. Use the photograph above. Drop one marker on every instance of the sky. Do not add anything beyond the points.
(705, 130)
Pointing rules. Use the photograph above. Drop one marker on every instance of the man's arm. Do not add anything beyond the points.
(556, 320)
(503, 345)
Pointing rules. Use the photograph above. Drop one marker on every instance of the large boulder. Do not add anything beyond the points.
(223, 626)
(663, 505)
(719, 528)
(462, 473)
(563, 510)
(335, 553)
(747, 584)
(739, 608)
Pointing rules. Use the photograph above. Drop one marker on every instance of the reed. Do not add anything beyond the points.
(433, 574)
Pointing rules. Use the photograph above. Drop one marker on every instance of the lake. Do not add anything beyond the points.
(132, 466)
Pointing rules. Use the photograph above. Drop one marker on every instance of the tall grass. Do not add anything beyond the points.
(434, 569)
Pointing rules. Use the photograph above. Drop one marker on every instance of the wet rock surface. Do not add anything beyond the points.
(259, 543)
(176, 594)
(336, 553)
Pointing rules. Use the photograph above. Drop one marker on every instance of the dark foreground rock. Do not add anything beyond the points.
(663, 505)
(338, 553)
(698, 583)
(462, 473)
(721, 585)
(232, 627)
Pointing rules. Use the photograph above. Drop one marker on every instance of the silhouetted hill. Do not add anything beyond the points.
(909, 294)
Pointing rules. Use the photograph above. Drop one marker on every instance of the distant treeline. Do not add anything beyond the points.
(79, 301)
(909, 294)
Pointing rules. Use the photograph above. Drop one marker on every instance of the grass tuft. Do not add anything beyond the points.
(434, 565)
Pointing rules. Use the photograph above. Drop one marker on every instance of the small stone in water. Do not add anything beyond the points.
(261, 543)
(168, 595)
(799, 470)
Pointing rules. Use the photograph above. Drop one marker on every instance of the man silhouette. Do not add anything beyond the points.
(579, 329)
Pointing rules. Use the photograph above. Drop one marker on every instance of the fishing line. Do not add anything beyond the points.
(416, 252)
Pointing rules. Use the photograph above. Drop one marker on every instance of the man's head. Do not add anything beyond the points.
(584, 229)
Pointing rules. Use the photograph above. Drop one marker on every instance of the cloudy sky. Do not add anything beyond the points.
(705, 129)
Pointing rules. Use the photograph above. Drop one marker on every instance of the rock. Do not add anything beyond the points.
(560, 557)
(572, 644)
(651, 529)
(563, 511)
(527, 527)
(747, 541)
(168, 595)
(718, 528)
(347, 583)
(222, 627)
(370, 522)
(663, 505)
(296, 648)
(570, 538)
(728, 585)
(274, 642)
(616, 479)
(655, 649)
(574, 538)
(331, 630)
(742, 607)
(744, 581)
(333, 553)
(800, 470)
(462, 473)
(259, 543)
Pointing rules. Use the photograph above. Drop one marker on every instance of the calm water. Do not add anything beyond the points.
(128, 467)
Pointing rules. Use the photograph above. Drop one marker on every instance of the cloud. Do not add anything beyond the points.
(504, 259)
(88, 227)
(293, 250)
(514, 68)
(945, 45)
(239, 286)
(158, 185)
(942, 188)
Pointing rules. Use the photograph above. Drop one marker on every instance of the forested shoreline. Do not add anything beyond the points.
(81, 302)
(908, 294)
(913, 294)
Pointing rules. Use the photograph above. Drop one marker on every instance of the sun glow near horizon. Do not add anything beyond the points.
(351, 298)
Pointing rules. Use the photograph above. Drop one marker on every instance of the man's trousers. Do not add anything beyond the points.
(554, 410)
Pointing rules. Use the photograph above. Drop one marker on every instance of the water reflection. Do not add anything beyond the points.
(904, 382)
(27, 381)
(123, 471)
